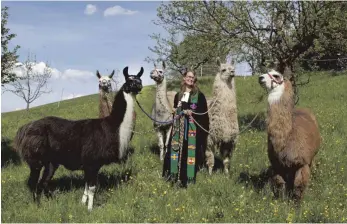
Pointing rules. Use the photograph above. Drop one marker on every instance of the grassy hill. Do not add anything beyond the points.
(145, 197)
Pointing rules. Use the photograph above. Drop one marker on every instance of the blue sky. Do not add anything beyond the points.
(77, 40)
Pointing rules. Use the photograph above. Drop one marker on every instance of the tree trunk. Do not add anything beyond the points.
(28, 104)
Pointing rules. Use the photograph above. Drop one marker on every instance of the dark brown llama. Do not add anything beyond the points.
(86, 144)
(293, 137)
(105, 94)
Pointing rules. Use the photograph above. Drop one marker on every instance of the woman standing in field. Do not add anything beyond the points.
(186, 150)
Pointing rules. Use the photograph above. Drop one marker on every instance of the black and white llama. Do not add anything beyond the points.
(86, 144)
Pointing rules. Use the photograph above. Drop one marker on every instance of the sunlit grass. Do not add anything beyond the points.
(145, 197)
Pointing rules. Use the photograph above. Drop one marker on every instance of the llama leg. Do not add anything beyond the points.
(209, 155)
(312, 165)
(167, 140)
(161, 144)
(278, 186)
(46, 177)
(91, 177)
(91, 192)
(302, 177)
(33, 179)
(85, 194)
(226, 152)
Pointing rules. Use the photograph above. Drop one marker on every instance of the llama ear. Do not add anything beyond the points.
(164, 65)
(98, 74)
(110, 76)
(140, 73)
(218, 61)
(125, 72)
(183, 71)
(155, 65)
(232, 61)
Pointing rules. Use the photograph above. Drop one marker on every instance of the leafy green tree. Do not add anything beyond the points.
(194, 51)
(8, 57)
(283, 32)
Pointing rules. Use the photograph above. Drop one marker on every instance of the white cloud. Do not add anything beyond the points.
(118, 10)
(68, 74)
(90, 9)
(76, 74)
(20, 69)
(71, 96)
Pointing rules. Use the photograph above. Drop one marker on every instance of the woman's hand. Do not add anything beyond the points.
(188, 112)
(179, 104)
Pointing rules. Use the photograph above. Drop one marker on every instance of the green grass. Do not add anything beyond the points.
(145, 197)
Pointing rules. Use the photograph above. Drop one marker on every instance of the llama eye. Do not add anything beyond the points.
(161, 72)
(223, 70)
(276, 76)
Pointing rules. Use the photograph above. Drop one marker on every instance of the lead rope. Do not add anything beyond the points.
(214, 102)
(244, 129)
(249, 124)
(235, 134)
(170, 110)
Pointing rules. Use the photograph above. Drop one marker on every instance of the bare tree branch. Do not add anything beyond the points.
(32, 84)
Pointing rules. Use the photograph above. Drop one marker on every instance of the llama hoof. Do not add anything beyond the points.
(84, 200)
(37, 198)
(226, 172)
(49, 195)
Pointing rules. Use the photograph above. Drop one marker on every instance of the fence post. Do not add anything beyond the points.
(61, 97)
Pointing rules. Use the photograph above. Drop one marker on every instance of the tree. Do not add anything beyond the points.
(32, 81)
(188, 49)
(8, 57)
(279, 33)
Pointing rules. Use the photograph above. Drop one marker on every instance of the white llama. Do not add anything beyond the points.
(224, 126)
(162, 109)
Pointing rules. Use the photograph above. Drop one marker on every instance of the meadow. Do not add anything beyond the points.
(135, 192)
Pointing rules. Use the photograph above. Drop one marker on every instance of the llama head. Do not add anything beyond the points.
(226, 70)
(157, 74)
(105, 81)
(133, 83)
(271, 80)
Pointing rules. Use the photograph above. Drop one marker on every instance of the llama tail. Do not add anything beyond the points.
(24, 139)
(19, 139)
(31, 140)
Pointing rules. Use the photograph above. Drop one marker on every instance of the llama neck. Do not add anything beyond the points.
(122, 119)
(280, 115)
(105, 103)
(120, 104)
(161, 95)
(104, 96)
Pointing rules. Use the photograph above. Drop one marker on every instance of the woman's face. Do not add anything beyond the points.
(189, 79)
